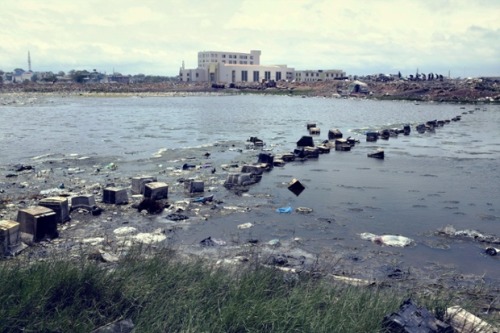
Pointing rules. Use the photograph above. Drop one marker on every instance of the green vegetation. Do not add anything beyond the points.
(163, 294)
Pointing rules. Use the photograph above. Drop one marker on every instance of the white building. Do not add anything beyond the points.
(234, 67)
(319, 75)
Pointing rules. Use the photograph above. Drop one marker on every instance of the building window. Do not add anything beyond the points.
(197, 74)
(244, 76)
(251, 62)
(267, 75)
(278, 76)
(223, 56)
(255, 76)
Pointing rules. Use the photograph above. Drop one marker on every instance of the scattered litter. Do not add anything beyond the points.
(474, 234)
(284, 210)
(413, 319)
(124, 231)
(209, 198)
(463, 321)
(150, 238)
(390, 240)
(176, 217)
(111, 166)
(492, 251)
(303, 210)
(122, 326)
(209, 241)
(245, 225)
(93, 240)
(274, 242)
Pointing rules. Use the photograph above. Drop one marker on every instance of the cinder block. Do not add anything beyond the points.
(115, 195)
(38, 222)
(139, 182)
(9, 236)
(156, 190)
(59, 205)
(82, 201)
(194, 186)
(296, 187)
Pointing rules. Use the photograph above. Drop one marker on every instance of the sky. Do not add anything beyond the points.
(154, 37)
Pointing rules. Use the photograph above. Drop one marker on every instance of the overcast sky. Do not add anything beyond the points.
(154, 36)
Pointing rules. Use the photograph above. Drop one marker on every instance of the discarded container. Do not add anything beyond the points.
(379, 153)
(314, 131)
(194, 186)
(304, 210)
(38, 222)
(305, 141)
(413, 319)
(266, 158)
(115, 195)
(82, 201)
(296, 187)
(241, 179)
(253, 169)
(323, 149)
(372, 136)
(59, 205)
(334, 133)
(310, 125)
(342, 145)
(156, 190)
(407, 129)
(139, 182)
(9, 236)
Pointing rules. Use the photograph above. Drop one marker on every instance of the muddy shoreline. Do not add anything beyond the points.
(119, 227)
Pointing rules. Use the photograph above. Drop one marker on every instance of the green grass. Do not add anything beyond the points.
(163, 294)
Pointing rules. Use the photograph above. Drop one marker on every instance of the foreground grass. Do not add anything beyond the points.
(161, 294)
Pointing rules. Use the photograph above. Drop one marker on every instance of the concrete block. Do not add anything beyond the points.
(59, 205)
(38, 222)
(194, 186)
(82, 201)
(115, 195)
(9, 236)
(139, 182)
(156, 190)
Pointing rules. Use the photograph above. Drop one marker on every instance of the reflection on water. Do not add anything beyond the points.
(426, 181)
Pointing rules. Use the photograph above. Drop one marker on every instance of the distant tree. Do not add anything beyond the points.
(61, 73)
(399, 74)
(79, 76)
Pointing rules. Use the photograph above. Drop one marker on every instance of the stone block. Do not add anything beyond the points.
(38, 223)
(59, 205)
(9, 236)
(139, 182)
(115, 195)
(156, 190)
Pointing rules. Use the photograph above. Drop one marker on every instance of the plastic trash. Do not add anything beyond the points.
(414, 319)
(111, 166)
(284, 210)
(389, 240)
(492, 251)
(245, 225)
